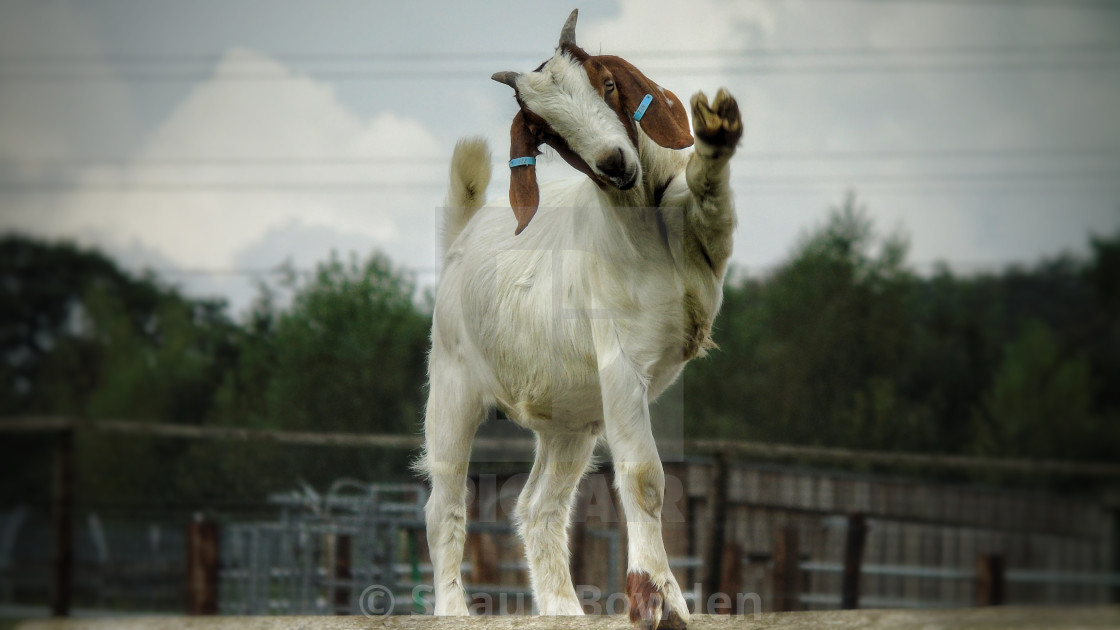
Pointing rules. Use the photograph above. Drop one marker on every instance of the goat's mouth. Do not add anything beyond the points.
(621, 182)
(614, 169)
(626, 182)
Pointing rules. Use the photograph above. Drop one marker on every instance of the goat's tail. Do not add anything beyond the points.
(470, 175)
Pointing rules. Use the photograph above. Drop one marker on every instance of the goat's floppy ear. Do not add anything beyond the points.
(665, 120)
(524, 195)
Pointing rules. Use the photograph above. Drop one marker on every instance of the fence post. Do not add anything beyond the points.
(342, 574)
(787, 570)
(577, 541)
(62, 508)
(714, 558)
(730, 578)
(482, 549)
(202, 567)
(1111, 503)
(853, 559)
(989, 580)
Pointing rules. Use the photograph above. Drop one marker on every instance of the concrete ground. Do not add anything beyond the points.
(971, 618)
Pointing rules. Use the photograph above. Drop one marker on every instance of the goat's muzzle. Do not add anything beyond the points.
(616, 171)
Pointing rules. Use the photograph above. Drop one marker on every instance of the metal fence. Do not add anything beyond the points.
(324, 550)
(357, 549)
(122, 561)
(319, 553)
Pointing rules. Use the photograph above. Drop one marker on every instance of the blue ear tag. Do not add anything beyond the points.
(641, 111)
(522, 161)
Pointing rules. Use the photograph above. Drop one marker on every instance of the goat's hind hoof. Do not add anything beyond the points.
(719, 124)
(648, 610)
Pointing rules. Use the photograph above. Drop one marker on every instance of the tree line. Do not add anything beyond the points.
(843, 344)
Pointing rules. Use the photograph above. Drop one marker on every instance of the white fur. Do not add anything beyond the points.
(570, 328)
(562, 94)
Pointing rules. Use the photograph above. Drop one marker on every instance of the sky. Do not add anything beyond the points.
(211, 141)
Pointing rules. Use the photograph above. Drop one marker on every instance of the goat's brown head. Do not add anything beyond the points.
(590, 109)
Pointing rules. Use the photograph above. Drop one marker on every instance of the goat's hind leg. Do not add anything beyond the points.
(451, 420)
(544, 512)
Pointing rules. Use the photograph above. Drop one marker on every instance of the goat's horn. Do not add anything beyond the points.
(568, 33)
(508, 77)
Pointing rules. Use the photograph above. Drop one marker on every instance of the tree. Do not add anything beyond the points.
(85, 339)
(347, 355)
(811, 354)
(1040, 402)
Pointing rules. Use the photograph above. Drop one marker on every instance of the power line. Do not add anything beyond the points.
(396, 184)
(78, 58)
(1044, 66)
(960, 264)
(270, 271)
(944, 182)
(958, 153)
(1050, 4)
(77, 67)
(1025, 153)
(228, 186)
(227, 161)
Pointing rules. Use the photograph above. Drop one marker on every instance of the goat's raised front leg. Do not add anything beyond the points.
(543, 513)
(452, 417)
(718, 127)
(655, 597)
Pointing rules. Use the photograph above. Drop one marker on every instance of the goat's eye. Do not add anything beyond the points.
(608, 85)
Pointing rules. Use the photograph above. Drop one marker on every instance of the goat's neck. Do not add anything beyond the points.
(659, 167)
(627, 220)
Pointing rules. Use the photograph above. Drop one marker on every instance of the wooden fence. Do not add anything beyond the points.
(791, 535)
(922, 540)
(782, 533)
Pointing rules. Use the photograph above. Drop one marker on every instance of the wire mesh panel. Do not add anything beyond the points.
(323, 551)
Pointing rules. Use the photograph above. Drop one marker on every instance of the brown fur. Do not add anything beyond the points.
(645, 599)
(524, 195)
(622, 87)
(647, 605)
(698, 328)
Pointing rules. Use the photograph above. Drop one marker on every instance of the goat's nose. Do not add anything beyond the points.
(612, 164)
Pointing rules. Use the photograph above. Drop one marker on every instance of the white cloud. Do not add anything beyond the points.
(901, 112)
(232, 120)
(667, 25)
(237, 161)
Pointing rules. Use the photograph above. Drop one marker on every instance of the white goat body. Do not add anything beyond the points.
(529, 307)
(573, 325)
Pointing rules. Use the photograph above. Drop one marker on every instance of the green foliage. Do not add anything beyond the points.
(84, 339)
(347, 355)
(810, 355)
(842, 345)
(1040, 401)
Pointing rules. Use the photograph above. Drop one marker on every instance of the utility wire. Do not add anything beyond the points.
(1017, 153)
(208, 59)
(975, 4)
(361, 183)
(1043, 66)
(1022, 179)
(76, 67)
(755, 268)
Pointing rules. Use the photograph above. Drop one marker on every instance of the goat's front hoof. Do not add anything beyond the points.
(719, 125)
(648, 609)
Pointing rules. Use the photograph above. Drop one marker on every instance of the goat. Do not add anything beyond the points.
(572, 317)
